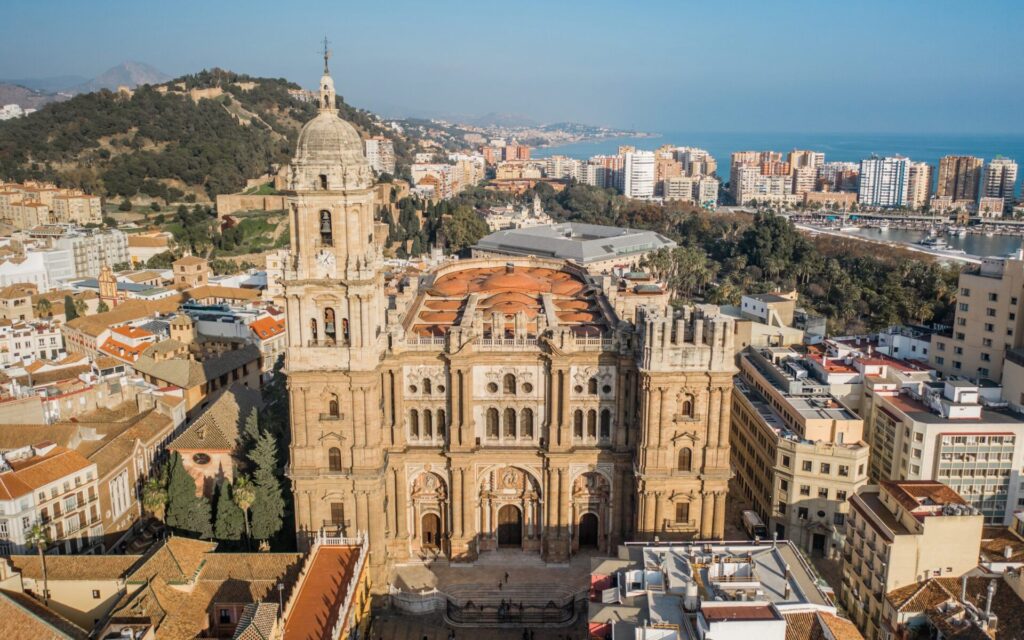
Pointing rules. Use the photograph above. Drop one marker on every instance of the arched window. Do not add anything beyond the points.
(440, 422)
(344, 330)
(592, 424)
(414, 423)
(687, 408)
(426, 386)
(526, 423)
(685, 459)
(313, 336)
(492, 423)
(326, 229)
(510, 423)
(508, 383)
(606, 423)
(577, 423)
(592, 386)
(332, 406)
(329, 331)
(428, 424)
(334, 459)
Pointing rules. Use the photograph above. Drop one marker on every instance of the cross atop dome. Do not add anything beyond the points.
(327, 96)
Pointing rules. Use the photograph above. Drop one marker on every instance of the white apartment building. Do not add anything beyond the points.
(751, 186)
(25, 342)
(638, 175)
(839, 176)
(91, 249)
(884, 182)
(1000, 179)
(30, 268)
(941, 431)
(52, 486)
(380, 153)
(562, 168)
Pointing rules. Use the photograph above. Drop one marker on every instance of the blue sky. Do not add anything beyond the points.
(864, 66)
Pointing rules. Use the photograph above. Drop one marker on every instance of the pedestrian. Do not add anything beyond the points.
(499, 585)
(506, 577)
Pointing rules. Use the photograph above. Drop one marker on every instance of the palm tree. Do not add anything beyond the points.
(154, 498)
(39, 537)
(244, 495)
(80, 307)
(43, 307)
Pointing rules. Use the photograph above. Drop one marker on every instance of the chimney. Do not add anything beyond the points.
(991, 591)
(963, 589)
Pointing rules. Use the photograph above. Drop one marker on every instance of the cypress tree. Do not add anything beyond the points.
(185, 510)
(268, 508)
(69, 309)
(229, 524)
(251, 431)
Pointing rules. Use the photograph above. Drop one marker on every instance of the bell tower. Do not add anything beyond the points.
(336, 322)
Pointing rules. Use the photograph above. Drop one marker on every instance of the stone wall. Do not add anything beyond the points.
(234, 202)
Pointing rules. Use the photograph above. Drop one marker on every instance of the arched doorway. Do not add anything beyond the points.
(588, 530)
(430, 531)
(510, 526)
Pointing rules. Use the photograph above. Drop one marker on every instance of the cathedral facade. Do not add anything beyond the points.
(492, 403)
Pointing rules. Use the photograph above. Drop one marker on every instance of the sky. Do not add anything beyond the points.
(909, 66)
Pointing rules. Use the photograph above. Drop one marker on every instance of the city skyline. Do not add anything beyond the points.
(565, 64)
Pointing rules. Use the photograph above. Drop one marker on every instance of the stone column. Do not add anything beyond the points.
(725, 420)
(401, 507)
(707, 514)
(648, 514)
(358, 417)
(657, 511)
(719, 528)
(714, 413)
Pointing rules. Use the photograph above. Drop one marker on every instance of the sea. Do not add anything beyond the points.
(849, 147)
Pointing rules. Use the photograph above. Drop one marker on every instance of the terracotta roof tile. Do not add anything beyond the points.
(23, 617)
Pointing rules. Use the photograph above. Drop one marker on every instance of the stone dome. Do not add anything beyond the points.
(327, 139)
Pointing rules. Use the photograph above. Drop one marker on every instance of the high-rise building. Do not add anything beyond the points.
(380, 153)
(639, 174)
(989, 313)
(899, 533)
(1000, 179)
(919, 188)
(884, 182)
(959, 177)
(561, 167)
(838, 176)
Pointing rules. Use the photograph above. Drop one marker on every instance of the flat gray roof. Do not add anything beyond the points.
(576, 241)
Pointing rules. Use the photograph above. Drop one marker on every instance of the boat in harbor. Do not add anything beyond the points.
(958, 232)
(934, 242)
(883, 225)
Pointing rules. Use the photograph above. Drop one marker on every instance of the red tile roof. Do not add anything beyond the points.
(322, 593)
(268, 327)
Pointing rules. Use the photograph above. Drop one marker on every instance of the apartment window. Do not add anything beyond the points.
(993, 297)
(940, 360)
(785, 461)
(940, 346)
(965, 292)
(960, 336)
(963, 306)
(823, 493)
(919, 437)
(917, 453)
(990, 312)
(986, 357)
(1013, 301)
(225, 616)
(986, 342)
(808, 466)
(983, 372)
(784, 485)
(958, 351)
(957, 364)
(915, 469)
(961, 322)
(840, 495)
(801, 513)
(826, 468)
(95, 594)
(1013, 316)
(989, 327)
(782, 508)
(839, 519)
(844, 470)
(805, 489)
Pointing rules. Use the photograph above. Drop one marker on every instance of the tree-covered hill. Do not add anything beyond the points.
(167, 140)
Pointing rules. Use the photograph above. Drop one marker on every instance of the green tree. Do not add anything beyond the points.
(251, 431)
(39, 537)
(102, 307)
(44, 308)
(185, 510)
(80, 307)
(229, 524)
(154, 497)
(463, 228)
(244, 494)
(126, 205)
(70, 313)
(268, 507)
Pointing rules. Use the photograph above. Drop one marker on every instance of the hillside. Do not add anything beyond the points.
(127, 74)
(198, 135)
(25, 97)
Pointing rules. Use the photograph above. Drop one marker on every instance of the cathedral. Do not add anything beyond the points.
(489, 403)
